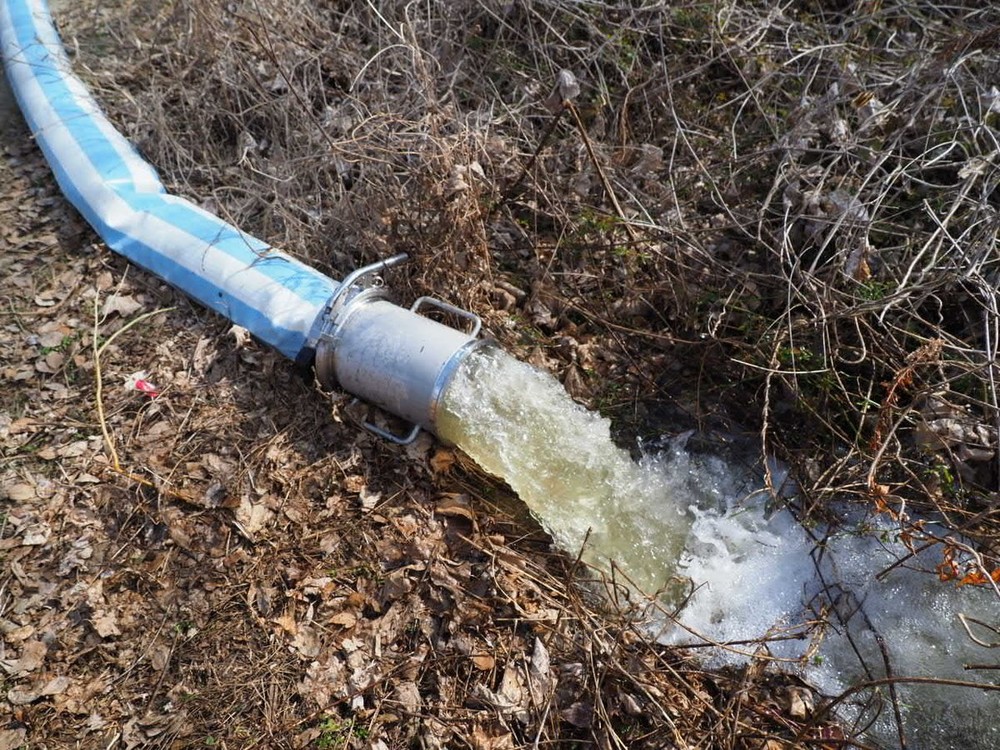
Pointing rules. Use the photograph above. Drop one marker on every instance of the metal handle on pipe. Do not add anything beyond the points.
(392, 437)
(477, 322)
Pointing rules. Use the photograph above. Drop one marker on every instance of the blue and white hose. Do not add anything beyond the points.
(280, 300)
(358, 340)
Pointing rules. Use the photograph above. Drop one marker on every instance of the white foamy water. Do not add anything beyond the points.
(764, 576)
(519, 424)
(755, 576)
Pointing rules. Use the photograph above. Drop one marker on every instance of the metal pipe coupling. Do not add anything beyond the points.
(391, 356)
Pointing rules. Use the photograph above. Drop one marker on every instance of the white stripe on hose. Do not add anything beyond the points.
(144, 178)
(284, 308)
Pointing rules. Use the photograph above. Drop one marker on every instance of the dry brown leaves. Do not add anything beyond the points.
(263, 573)
(277, 577)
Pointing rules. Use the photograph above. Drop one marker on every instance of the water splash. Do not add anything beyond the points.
(680, 515)
(766, 576)
(519, 424)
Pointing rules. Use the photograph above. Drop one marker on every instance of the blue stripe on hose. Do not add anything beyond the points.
(289, 342)
(307, 283)
(46, 70)
(92, 141)
(108, 161)
(312, 287)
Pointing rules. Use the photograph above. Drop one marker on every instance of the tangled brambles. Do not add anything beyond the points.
(803, 202)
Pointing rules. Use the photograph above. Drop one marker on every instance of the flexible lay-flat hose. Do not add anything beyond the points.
(390, 356)
(280, 300)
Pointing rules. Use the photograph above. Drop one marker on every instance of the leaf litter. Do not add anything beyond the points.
(259, 571)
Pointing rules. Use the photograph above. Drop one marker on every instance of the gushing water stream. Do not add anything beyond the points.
(518, 423)
(678, 515)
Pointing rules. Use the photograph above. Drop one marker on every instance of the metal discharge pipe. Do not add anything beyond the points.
(392, 356)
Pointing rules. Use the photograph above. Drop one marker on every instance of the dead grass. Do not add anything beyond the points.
(779, 219)
(799, 200)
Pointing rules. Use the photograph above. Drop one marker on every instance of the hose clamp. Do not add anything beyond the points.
(352, 290)
(398, 359)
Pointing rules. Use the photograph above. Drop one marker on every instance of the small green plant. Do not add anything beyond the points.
(335, 734)
(63, 346)
(595, 221)
(866, 405)
(331, 735)
(943, 475)
(873, 290)
(795, 356)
